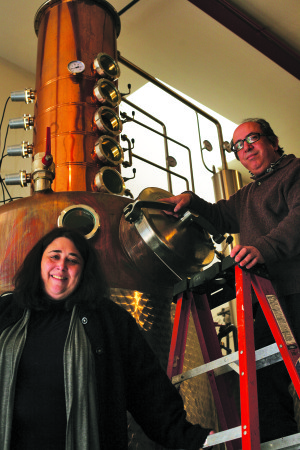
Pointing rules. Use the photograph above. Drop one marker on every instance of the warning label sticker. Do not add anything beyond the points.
(281, 320)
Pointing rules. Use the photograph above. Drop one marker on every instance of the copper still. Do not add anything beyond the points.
(80, 184)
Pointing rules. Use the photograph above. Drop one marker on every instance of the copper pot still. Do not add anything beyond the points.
(77, 48)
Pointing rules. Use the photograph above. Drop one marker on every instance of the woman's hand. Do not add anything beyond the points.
(180, 201)
(205, 443)
(246, 256)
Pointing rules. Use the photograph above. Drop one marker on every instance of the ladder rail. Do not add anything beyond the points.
(279, 326)
(179, 335)
(248, 385)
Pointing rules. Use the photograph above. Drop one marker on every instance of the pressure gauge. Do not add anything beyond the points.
(76, 67)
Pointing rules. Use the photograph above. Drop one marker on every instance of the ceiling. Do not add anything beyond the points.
(181, 43)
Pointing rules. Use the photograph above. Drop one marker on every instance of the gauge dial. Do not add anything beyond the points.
(76, 67)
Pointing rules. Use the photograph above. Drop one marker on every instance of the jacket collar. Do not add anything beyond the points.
(280, 163)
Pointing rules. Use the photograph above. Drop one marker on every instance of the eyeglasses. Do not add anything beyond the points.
(250, 139)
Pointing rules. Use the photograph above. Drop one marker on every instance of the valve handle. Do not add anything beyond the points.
(48, 158)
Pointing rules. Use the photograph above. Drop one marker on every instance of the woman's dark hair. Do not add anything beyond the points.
(29, 290)
(267, 130)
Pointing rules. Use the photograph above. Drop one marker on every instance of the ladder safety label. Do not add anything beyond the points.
(281, 320)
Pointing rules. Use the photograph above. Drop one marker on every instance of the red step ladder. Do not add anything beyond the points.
(237, 432)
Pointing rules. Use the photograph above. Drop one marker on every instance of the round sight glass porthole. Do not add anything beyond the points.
(81, 218)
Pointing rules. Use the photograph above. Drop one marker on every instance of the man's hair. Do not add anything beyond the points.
(29, 287)
(266, 129)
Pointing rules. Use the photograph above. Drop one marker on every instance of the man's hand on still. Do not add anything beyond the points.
(246, 256)
(179, 201)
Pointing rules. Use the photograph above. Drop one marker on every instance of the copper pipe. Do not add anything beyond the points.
(157, 83)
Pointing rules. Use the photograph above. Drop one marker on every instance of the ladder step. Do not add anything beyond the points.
(264, 357)
(223, 436)
(289, 442)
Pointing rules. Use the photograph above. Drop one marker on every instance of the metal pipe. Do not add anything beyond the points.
(157, 83)
(162, 168)
(127, 7)
(201, 150)
(164, 132)
(170, 139)
(129, 162)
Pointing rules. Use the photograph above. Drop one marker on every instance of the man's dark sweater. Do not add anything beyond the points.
(266, 213)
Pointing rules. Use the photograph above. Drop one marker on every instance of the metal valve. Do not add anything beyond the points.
(21, 179)
(28, 96)
(106, 66)
(43, 172)
(25, 122)
(25, 150)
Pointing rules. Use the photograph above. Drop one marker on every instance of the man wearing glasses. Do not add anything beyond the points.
(266, 213)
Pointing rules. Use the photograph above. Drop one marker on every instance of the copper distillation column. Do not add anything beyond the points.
(77, 96)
